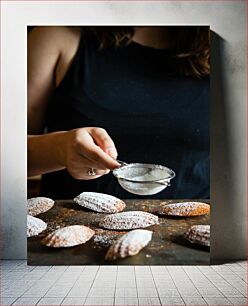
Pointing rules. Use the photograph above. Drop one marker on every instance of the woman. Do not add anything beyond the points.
(141, 90)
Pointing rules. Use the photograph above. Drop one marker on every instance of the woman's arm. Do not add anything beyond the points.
(50, 52)
(77, 150)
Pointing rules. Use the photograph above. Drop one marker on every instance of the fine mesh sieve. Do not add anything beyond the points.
(143, 179)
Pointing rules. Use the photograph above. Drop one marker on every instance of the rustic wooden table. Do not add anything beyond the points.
(168, 245)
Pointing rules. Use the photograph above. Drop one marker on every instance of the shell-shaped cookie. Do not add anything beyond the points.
(100, 202)
(129, 244)
(129, 220)
(199, 234)
(36, 206)
(184, 209)
(68, 236)
(35, 226)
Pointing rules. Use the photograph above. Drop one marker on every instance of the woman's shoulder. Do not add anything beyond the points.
(55, 42)
(57, 32)
(56, 37)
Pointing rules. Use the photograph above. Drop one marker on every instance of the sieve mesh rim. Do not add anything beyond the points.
(170, 176)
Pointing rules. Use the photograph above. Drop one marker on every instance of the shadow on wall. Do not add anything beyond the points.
(226, 232)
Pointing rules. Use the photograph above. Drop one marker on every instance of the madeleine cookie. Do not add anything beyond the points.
(185, 209)
(129, 220)
(199, 234)
(35, 226)
(68, 236)
(100, 202)
(129, 244)
(39, 205)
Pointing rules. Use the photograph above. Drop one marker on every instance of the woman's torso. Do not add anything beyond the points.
(152, 116)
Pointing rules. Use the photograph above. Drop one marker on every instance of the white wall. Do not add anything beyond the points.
(228, 97)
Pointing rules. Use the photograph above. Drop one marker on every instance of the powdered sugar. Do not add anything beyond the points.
(184, 209)
(129, 220)
(144, 179)
(68, 236)
(129, 244)
(35, 226)
(104, 240)
(39, 205)
(100, 202)
(199, 234)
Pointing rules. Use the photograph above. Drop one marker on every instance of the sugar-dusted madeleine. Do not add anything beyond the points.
(39, 205)
(100, 202)
(35, 226)
(129, 244)
(199, 234)
(129, 220)
(68, 236)
(184, 209)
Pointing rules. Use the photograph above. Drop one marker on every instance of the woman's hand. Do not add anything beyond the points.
(86, 148)
(78, 151)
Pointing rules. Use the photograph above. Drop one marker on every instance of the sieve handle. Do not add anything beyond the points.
(163, 183)
(122, 163)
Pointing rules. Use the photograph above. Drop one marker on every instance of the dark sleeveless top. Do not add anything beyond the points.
(152, 115)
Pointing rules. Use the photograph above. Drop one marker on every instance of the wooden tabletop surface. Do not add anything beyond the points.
(168, 245)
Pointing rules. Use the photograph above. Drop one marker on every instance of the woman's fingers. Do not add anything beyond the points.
(89, 149)
(100, 158)
(88, 173)
(104, 141)
(93, 173)
(85, 148)
(82, 168)
(80, 162)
